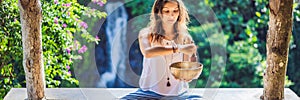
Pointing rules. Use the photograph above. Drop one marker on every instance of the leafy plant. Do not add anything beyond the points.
(62, 20)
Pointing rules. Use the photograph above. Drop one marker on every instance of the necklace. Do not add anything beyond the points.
(172, 43)
(168, 78)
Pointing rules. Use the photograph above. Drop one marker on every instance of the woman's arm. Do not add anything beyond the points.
(189, 40)
(147, 50)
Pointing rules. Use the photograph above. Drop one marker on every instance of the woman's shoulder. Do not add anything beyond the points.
(144, 32)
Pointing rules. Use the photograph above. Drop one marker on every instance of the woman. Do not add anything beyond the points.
(162, 43)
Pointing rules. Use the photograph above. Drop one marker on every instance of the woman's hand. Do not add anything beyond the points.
(187, 49)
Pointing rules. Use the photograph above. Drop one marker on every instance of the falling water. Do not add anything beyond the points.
(115, 31)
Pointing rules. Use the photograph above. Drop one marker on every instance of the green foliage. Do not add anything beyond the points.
(206, 38)
(141, 15)
(61, 21)
(142, 5)
(11, 54)
(243, 60)
(245, 22)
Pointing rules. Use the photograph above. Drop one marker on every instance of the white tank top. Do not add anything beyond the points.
(156, 71)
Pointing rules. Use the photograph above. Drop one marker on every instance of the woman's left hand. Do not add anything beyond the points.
(187, 49)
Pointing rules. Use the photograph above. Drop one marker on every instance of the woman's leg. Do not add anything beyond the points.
(149, 95)
(142, 95)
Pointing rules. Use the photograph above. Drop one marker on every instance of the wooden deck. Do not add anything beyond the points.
(115, 93)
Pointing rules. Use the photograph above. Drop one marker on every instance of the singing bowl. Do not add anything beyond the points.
(186, 70)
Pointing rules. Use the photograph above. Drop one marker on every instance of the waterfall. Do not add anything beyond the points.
(115, 31)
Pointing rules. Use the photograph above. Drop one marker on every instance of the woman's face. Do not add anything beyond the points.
(170, 13)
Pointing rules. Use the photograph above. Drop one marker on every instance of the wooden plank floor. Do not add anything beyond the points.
(115, 93)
